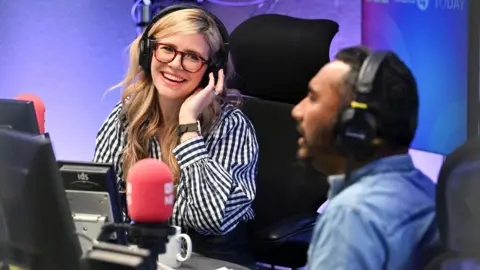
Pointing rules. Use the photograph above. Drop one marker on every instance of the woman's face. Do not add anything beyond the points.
(179, 77)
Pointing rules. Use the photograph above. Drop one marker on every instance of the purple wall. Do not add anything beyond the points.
(71, 52)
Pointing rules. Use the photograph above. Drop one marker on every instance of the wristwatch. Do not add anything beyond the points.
(193, 127)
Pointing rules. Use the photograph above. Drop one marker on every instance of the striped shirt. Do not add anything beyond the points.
(217, 173)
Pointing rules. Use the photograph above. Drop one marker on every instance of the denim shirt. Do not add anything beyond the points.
(383, 217)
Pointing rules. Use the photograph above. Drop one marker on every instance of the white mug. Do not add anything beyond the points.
(173, 257)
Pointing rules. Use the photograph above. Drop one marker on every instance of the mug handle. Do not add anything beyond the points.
(188, 254)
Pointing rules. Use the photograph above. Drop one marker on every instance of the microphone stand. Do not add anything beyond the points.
(106, 256)
(152, 237)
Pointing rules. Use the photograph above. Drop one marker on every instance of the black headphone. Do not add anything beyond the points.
(357, 126)
(218, 61)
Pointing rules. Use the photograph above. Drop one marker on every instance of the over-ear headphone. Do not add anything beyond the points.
(146, 46)
(357, 126)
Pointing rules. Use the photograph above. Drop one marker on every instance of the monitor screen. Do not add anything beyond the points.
(90, 176)
(432, 38)
(37, 230)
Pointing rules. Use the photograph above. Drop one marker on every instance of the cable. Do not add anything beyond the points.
(350, 159)
(267, 10)
(85, 236)
(271, 6)
(237, 4)
(134, 10)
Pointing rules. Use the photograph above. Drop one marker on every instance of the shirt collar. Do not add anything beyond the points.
(387, 164)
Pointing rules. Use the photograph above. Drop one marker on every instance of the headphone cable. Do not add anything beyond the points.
(349, 159)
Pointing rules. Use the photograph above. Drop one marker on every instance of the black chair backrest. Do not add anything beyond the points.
(458, 210)
(275, 56)
(285, 187)
(458, 200)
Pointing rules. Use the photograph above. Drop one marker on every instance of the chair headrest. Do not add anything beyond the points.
(276, 55)
(458, 202)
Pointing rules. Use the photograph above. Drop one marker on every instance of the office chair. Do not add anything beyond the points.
(458, 209)
(275, 57)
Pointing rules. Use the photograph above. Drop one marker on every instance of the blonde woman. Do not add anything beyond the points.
(174, 108)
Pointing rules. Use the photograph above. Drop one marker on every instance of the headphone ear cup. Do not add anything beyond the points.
(343, 121)
(206, 79)
(213, 68)
(219, 61)
(145, 56)
(355, 132)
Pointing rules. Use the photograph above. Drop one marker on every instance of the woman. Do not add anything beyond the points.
(172, 109)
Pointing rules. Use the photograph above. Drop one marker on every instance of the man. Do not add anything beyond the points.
(383, 215)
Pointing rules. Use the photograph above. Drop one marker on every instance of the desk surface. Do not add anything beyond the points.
(199, 262)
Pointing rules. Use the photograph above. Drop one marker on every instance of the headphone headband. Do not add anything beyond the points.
(357, 127)
(368, 71)
(170, 9)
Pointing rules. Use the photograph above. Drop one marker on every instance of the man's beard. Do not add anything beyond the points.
(319, 154)
(306, 154)
(309, 168)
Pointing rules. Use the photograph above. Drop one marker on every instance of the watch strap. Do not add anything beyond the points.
(193, 127)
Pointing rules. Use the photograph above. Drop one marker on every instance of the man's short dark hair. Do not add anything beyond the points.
(394, 99)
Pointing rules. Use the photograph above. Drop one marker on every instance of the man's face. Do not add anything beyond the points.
(317, 113)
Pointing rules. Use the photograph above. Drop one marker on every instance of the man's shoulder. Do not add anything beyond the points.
(392, 210)
(391, 187)
(391, 196)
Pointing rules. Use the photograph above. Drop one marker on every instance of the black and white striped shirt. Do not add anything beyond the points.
(217, 173)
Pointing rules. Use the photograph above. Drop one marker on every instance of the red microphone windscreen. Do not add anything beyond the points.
(150, 191)
(39, 109)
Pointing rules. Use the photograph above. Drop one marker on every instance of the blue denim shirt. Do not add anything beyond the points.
(382, 218)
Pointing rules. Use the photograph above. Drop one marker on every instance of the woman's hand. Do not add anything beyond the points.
(196, 103)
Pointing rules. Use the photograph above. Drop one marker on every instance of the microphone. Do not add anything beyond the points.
(150, 191)
(150, 199)
(150, 204)
(39, 109)
(143, 15)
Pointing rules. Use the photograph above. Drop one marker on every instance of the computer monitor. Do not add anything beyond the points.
(92, 177)
(37, 230)
(19, 115)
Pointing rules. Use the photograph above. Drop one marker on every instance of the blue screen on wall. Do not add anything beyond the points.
(431, 36)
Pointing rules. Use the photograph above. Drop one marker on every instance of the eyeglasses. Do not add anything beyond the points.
(191, 62)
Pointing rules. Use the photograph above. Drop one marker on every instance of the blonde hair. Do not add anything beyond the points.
(140, 98)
